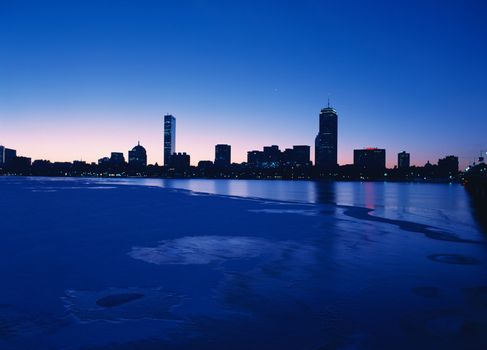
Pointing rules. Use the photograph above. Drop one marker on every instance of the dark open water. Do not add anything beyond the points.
(142, 264)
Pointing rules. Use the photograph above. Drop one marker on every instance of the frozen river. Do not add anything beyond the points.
(224, 264)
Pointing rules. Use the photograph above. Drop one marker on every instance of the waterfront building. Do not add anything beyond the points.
(169, 138)
(448, 166)
(205, 164)
(301, 155)
(326, 142)
(104, 161)
(2, 155)
(370, 161)
(6, 156)
(179, 161)
(117, 158)
(403, 160)
(206, 169)
(296, 156)
(223, 155)
(138, 156)
(270, 157)
(20, 165)
(254, 158)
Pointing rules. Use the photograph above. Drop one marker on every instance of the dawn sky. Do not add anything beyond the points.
(79, 79)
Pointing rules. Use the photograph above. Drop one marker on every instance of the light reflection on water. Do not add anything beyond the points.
(366, 194)
(434, 203)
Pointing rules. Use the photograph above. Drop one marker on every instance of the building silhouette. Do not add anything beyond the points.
(296, 156)
(272, 157)
(205, 164)
(326, 142)
(254, 158)
(206, 168)
(117, 159)
(448, 166)
(138, 156)
(301, 155)
(104, 161)
(370, 161)
(403, 160)
(7, 155)
(223, 156)
(169, 138)
(20, 165)
(179, 161)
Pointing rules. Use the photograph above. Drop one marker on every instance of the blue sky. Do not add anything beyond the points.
(79, 79)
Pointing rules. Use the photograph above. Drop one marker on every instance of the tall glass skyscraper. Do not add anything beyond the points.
(169, 137)
(326, 142)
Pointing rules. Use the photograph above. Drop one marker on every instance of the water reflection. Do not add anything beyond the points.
(435, 204)
(294, 191)
(324, 192)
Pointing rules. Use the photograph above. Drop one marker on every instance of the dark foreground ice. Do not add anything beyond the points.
(158, 264)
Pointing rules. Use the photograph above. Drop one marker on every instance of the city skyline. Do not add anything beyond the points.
(325, 158)
(242, 75)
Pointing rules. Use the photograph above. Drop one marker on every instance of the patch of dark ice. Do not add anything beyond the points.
(119, 304)
(118, 299)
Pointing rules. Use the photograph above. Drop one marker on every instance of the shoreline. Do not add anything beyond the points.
(427, 181)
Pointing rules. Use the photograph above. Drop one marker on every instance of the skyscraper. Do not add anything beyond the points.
(326, 142)
(169, 138)
(403, 160)
(223, 155)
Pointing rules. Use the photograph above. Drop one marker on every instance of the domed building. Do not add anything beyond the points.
(138, 156)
